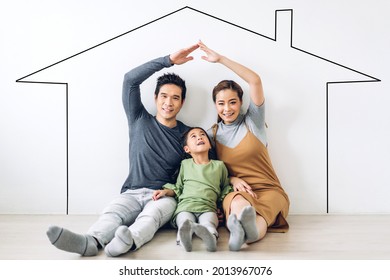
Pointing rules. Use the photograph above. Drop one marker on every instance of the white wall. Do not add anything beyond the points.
(331, 153)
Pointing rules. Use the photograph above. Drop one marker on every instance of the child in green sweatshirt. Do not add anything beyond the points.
(201, 184)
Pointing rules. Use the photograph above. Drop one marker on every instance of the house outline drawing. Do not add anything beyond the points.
(365, 77)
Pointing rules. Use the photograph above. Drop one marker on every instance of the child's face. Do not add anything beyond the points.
(197, 142)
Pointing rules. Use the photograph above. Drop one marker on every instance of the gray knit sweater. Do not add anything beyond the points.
(155, 151)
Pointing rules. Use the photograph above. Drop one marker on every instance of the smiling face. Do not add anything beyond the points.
(168, 102)
(197, 141)
(228, 105)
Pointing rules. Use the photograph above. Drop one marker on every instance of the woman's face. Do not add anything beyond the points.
(228, 105)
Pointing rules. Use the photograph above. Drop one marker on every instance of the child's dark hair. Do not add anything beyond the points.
(185, 134)
(184, 141)
(212, 153)
(171, 78)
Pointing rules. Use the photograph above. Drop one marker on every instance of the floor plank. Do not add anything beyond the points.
(311, 237)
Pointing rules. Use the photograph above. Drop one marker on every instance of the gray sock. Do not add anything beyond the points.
(185, 233)
(121, 243)
(208, 238)
(66, 240)
(248, 221)
(237, 234)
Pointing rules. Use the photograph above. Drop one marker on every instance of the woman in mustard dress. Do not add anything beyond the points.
(258, 203)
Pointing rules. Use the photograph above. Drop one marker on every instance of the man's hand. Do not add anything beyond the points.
(182, 56)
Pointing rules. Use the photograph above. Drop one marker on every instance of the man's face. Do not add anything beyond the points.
(168, 103)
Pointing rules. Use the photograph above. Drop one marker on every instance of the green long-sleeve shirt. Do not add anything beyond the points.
(199, 187)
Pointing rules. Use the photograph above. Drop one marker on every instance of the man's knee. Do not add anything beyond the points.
(166, 204)
(160, 211)
(124, 209)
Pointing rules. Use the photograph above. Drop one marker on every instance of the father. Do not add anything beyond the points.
(155, 153)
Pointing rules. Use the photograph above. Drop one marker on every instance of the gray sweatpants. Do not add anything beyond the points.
(137, 210)
(206, 219)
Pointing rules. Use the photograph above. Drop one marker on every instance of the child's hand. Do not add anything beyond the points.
(164, 192)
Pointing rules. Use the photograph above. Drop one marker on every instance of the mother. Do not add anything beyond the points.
(258, 203)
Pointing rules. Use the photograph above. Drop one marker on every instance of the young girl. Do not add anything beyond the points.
(201, 184)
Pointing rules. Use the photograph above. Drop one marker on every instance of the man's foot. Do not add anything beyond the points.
(66, 240)
(121, 243)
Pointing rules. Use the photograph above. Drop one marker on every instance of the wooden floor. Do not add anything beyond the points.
(311, 237)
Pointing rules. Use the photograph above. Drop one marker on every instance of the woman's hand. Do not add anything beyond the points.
(240, 185)
(211, 56)
(248, 75)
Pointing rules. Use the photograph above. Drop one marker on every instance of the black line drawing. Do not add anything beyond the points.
(368, 78)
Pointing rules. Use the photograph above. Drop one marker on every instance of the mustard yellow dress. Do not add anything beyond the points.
(250, 161)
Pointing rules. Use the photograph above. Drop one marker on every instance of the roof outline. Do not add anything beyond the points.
(369, 78)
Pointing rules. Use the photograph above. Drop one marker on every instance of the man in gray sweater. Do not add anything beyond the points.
(155, 153)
